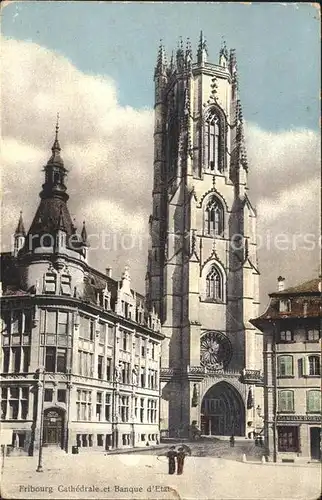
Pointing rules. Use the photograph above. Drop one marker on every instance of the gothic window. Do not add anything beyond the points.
(285, 366)
(212, 142)
(214, 218)
(286, 401)
(314, 401)
(214, 285)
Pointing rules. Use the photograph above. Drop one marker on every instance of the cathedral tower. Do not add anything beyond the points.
(202, 276)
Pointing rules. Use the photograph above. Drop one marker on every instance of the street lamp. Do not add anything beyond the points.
(39, 466)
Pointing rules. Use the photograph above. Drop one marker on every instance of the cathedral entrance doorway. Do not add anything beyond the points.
(222, 411)
(53, 428)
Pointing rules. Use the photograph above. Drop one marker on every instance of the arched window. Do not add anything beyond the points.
(212, 142)
(314, 365)
(214, 285)
(285, 366)
(313, 401)
(214, 218)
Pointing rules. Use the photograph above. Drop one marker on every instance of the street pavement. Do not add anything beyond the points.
(144, 476)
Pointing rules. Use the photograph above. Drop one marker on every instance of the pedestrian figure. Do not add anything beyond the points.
(172, 459)
(232, 441)
(181, 455)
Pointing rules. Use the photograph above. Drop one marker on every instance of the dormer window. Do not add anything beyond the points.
(285, 306)
(50, 282)
(286, 336)
(65, 284)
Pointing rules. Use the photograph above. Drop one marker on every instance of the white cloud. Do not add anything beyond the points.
(108, 150)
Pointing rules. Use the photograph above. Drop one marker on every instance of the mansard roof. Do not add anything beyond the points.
(305, 302)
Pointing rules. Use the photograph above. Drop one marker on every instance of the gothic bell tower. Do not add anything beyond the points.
(202, 276)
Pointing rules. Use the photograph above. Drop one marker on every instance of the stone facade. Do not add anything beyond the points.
(80, 350)
(292, 372)
(202, 276)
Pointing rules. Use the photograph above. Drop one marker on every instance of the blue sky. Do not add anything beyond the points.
(94, 63)
(277, 48)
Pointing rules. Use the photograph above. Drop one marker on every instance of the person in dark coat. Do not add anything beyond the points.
(172, 459)
(232, 440)
(181, 455)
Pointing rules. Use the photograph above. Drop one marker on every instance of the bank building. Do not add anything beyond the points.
(202, 276)
(80, 350)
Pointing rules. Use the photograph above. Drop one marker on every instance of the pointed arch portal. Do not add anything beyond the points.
(222, 411)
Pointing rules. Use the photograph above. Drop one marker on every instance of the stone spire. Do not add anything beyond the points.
(180, 55)
(161, 66)
(56, 149)
(20, 230)
(202, 52)
(84, 234)
(188, 55)
(223, 54)
(55, 172)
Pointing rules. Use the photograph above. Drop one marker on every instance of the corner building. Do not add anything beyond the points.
(202, 275)
(80, 351)
(292, 372)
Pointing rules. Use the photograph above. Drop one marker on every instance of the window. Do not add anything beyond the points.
(85, 363)
(110, 335)
(102, 334)
(212, 142)
(108, 406)
(125, 377)
(286, 336)
(214, 218)
(287, 438)
(126, 439)
(61, 395)
(83, 327)
(62, 323)
(65, 284)
(55, 359)
(136, 408)
(286, 401)
(92, 331)
(142, 377)
(314, 365)
(285, 306)
(108, 368)
(141, 410)
(48, 395)
(313, 401)
(152, 411)
(14, 403)
(124, 408)
(99, 396)
(50, 283)
(124, 340)
(214, 289)
(84, 405)
(100, 367)
(143, 349)
(152, 350)
(313, 335)
(285, 366)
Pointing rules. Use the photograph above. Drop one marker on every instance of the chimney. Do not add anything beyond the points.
(108, 272)
(280, 284)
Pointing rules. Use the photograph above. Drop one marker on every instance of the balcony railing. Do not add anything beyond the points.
(252, 377)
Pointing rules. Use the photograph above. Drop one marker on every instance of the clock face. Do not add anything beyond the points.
(215, 350)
